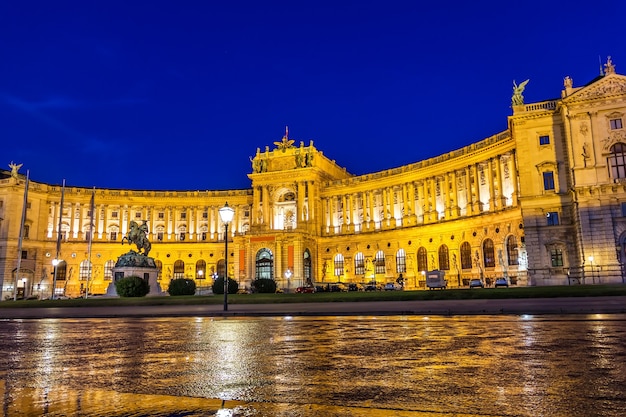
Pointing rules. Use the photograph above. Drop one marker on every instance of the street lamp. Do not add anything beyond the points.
(288, 277)
(593, 278)
(55, 264)
(226, 215)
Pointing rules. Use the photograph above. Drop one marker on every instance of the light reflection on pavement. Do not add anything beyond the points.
(315, 366)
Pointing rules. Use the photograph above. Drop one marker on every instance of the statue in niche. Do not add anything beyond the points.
(518, 99)
(14, 169)
(585, 153)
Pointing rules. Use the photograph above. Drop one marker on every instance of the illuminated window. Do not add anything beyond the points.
(108, 270)
(159, 266)
(617, 160)
(179, 269)
(200, 269)
(338, 265)
(379, 262)
(466, 256)
(511, 250)
(400, 261)
(444, 258)
(489, 257)
(359, 264)
(422, 259)
(556, 257)
(85, 270)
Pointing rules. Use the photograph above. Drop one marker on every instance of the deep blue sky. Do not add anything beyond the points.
(178, 95)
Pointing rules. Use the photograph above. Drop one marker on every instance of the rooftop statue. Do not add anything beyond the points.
(518, 99)
(609, 68)
(138, 235)
(286, 143)
(14, 169)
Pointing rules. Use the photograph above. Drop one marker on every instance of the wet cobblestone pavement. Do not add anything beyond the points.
(571, 365)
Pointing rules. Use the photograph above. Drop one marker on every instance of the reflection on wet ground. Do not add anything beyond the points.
(325, 366)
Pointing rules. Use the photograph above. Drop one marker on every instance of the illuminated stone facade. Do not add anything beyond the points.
(542, 203)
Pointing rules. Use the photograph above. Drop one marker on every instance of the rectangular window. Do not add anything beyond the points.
(615, 124)
(548, 180)
(26, 231)
(623, 206)
(24, 255)
(160, 236)
(87, 236)
(161, 215)
(181, 237)
(205, 215)
(553, 218)
(544, 140)
(114, 214)
(556, 258)
(183, 215)
(138, 215)
(28, 205)
(113, 236)
(203, 236)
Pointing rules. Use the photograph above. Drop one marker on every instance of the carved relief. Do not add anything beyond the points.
(602, 89)
(584, 129)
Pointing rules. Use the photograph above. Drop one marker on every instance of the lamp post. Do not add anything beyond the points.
(226, 215)
(288, 277)
(593, 278)
(55, 264)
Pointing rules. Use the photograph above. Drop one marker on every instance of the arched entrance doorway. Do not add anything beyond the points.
(264, 264)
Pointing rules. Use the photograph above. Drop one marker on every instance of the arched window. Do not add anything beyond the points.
(108, 269)
(466, 256)
(264, 264)
(159, 266)
(511, 250)
(489, 257)
(617, 160)
(200, 269)
(422, 259)
(338, 265)
(61, 271)
(307, 267)
(379, 262)
(220, 268)
(179, 269)
(359, 264)
(444, 258)
(85, 270)
(400, 261)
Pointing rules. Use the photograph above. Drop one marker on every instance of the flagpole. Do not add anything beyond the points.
(56, 259)
(20, 240)
(91, 209)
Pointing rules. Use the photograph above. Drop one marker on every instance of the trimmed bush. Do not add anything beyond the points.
(267, 286)
(218, 286)
(132, 286)
(182, 286)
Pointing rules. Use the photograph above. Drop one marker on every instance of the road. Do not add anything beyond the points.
(517, 306)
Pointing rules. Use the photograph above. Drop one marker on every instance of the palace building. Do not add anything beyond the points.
(541, 203)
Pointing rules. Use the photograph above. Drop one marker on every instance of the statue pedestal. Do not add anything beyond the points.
(135, 264)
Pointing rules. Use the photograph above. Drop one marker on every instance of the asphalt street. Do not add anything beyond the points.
(518, 306)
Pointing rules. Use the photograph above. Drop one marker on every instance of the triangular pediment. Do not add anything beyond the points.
(609, 86)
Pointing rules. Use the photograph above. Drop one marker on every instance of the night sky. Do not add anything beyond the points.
(178, 95)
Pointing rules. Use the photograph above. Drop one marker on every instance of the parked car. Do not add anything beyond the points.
(392, 286)
(476, 283)
(501, 282)
(305, 290)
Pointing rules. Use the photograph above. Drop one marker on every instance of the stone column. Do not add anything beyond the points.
(492, 190)
(468, 193)
(478, 205)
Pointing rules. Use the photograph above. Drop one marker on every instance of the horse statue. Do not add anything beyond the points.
(138, 235)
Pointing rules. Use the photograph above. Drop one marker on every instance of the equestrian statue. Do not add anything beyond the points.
(138, 235)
